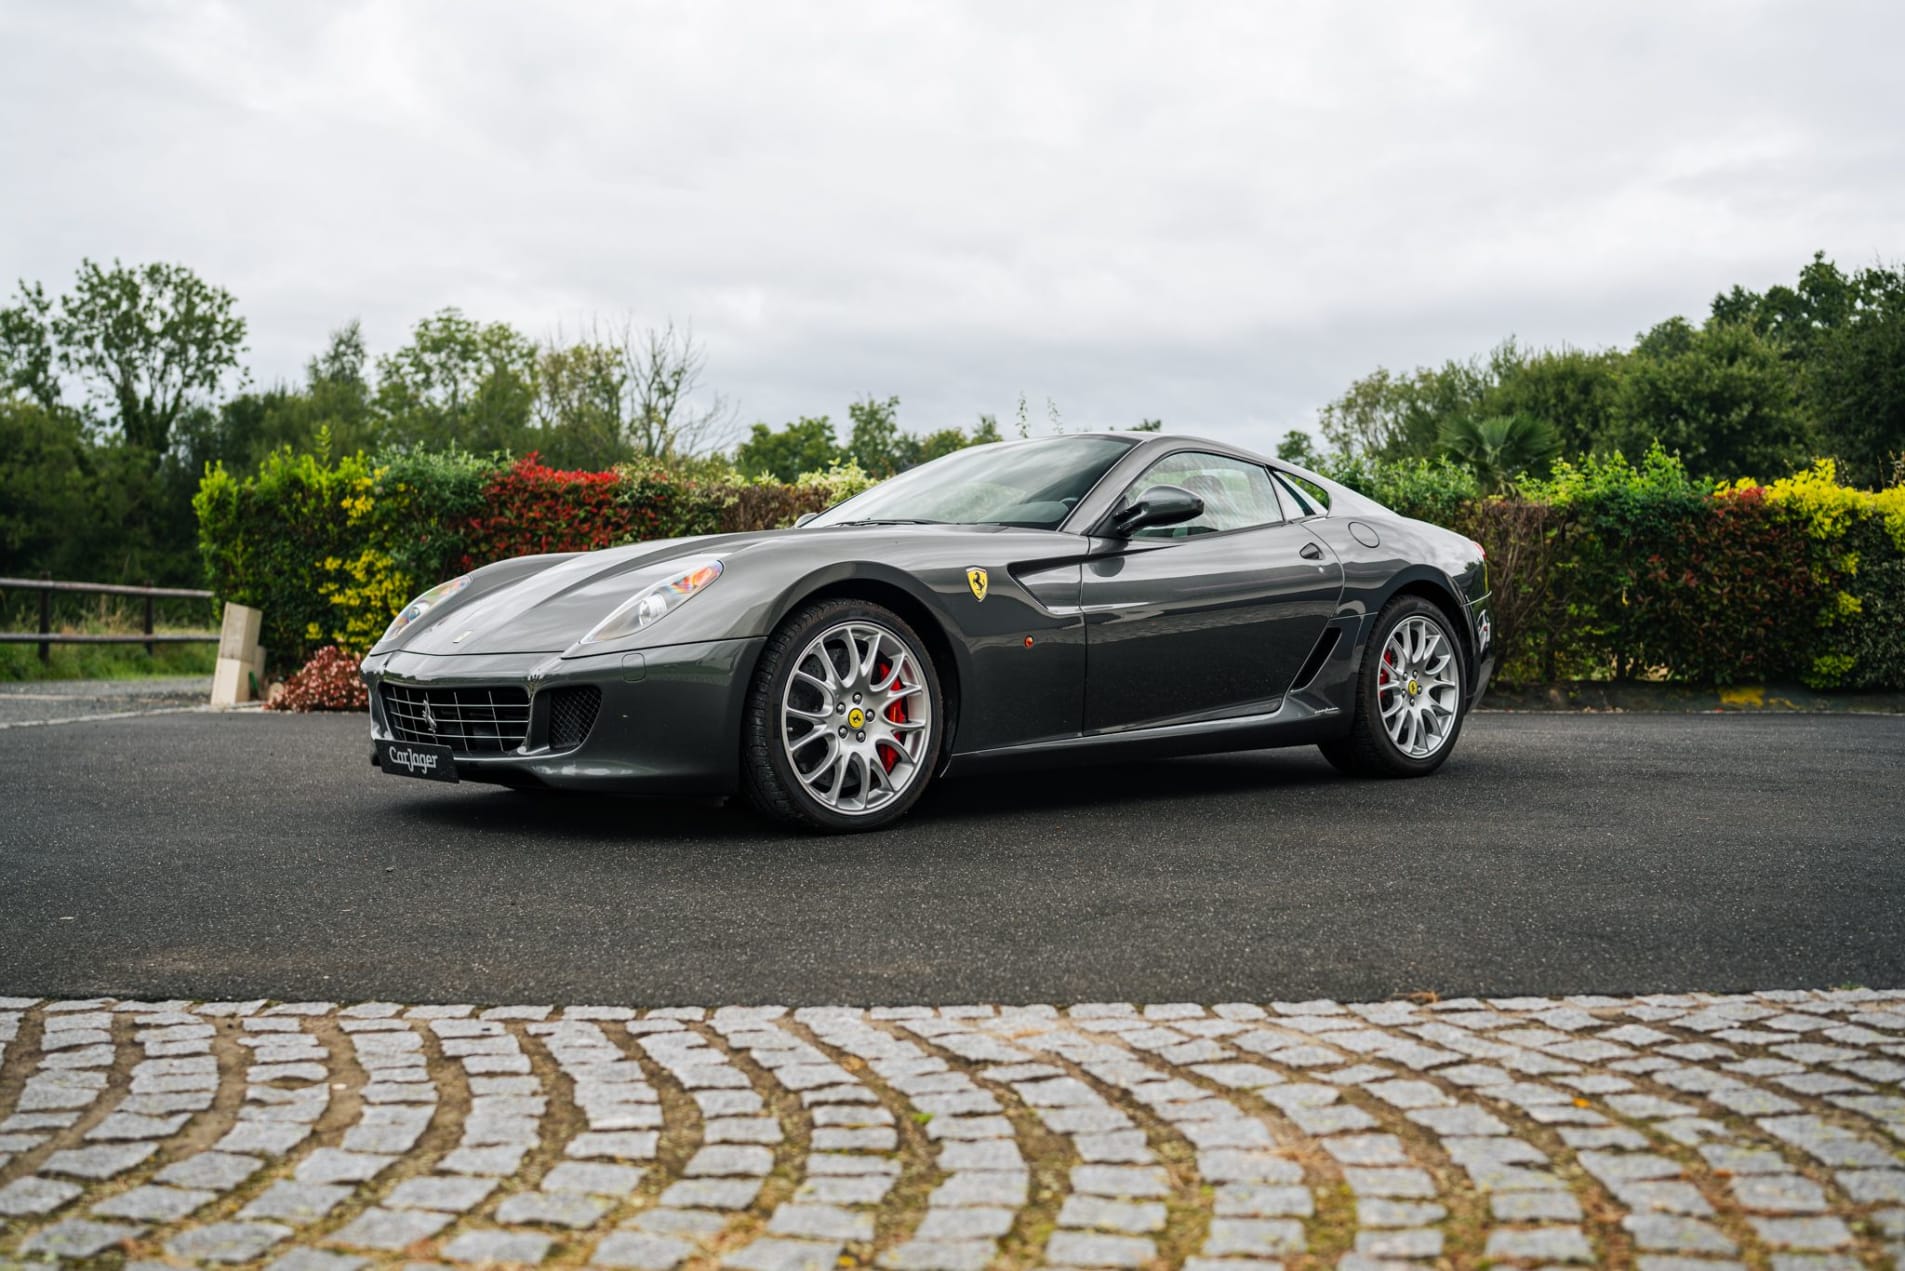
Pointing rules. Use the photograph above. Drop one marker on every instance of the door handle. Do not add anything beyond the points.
(1311, 552)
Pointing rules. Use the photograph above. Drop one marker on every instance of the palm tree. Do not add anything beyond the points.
(1500, 448)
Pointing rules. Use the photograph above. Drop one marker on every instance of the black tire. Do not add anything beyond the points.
(768, 778)
(1368, 750)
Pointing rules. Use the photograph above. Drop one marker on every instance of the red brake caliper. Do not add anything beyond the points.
(895, 713)
(1388, 660)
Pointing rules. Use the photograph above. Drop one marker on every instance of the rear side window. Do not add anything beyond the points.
(1303, 498)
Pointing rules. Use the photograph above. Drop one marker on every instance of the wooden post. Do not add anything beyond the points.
(46, 617)
(150, 647)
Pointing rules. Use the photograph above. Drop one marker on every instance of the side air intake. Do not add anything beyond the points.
(1325, 645)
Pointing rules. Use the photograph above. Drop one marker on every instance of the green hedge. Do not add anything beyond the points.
(1604, 570)
(329, 549)
(1609, 570)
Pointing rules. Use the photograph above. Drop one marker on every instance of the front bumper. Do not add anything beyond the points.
(669, 722)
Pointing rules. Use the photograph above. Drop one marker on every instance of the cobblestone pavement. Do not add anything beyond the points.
(1679, 1133)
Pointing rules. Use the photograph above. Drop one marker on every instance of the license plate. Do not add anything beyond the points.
(414, 759)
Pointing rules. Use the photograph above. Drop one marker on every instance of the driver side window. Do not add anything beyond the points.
(1237, 495)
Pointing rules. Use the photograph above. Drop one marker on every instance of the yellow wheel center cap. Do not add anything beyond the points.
(856, 718)
(1414, 688)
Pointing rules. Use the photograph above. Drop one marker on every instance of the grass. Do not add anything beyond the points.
(21, 662)
(105, 615)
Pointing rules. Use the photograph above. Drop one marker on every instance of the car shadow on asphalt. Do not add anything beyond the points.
(1102, 786)
(561, 815)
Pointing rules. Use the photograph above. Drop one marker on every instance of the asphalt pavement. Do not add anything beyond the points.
(29, 703)
(198, 855)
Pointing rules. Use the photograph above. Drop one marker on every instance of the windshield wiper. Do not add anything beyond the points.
(896, 520)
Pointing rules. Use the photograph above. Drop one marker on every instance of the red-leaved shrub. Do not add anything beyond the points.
(328, 682)
(529, 508)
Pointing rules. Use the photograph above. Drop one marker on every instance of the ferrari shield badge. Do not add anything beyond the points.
(976, 579)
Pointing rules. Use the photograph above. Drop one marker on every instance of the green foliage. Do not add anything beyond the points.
(1844, 336)
(1433, 490)
(805, 445)
(837, 482)
(21, 662)
(1765, 382)
(1720, 396)
(146, 343)
(1391, 416)
(578, 405)
(1498, 449)
(1299, 448)
(276, 539)
(422, 500)
(459, 383)
(47, 493)
(330, 549)
(876, 443)
(1570, 390)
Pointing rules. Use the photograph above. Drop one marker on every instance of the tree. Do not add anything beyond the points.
(46, 492)
(1298, 447)
(1844, 337)
(459, 383)
(1500, 448)
(578, 407)
(876, 442)
(1719, 395)
(1147, 425)
(1388, 416)
(1855, 381)
(147, 344)
(807, 445)
(28, 361)
(662, 368)
(1570, 390)
(937, 445)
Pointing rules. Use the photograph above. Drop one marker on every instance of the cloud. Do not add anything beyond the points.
(1217, 214)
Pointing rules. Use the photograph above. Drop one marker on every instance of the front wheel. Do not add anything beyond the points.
(1408, 709)
(842, 729)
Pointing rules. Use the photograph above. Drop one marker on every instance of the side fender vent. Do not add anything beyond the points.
(1325, 645)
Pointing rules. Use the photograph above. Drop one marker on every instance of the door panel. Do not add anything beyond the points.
(1203, 626)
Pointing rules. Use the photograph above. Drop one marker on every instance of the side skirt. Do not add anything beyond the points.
(1293, 723)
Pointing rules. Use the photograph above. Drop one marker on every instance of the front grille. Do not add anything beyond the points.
(470, 721)
(572, 714)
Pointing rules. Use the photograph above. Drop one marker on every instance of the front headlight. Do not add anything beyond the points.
(424, 604)
(655, 601)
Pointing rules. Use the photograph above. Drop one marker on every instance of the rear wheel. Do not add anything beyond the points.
(842, 729)
(1408, 695)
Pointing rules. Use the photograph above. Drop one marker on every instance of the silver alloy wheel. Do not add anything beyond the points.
(1419, 686)
(856, 719)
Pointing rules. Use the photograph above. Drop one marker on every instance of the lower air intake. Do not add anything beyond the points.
(572, 714)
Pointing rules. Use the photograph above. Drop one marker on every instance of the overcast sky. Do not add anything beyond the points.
(1216, 214)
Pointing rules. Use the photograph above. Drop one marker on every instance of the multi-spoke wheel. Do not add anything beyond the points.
(1408, 708)
(1419, 687)
(842, 725)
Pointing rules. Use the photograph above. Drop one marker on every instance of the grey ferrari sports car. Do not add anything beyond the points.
(1080, 597)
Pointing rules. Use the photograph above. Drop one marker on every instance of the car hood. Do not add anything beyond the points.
(544, 604)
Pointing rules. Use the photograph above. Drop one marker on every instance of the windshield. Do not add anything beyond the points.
(1030, 483)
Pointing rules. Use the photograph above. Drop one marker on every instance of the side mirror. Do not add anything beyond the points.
(803, 518)
(1161, 505)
